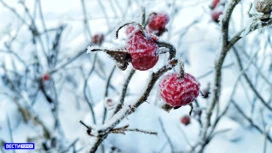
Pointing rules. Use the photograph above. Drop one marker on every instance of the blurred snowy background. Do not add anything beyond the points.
(50, 37)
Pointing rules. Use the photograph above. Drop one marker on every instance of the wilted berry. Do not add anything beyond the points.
(178, 91)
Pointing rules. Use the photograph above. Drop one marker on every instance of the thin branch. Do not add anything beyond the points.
(172, 49)
(167, 136)
(124, 91)
(125, 111)
(107, 92)
(252, 87)
(89, 102)
(249, 120)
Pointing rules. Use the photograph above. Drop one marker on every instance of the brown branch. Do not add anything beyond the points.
(125, 111)
(107, 93)
(124, 91)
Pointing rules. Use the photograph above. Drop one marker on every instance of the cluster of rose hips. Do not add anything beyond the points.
(217, 7)
(142, 51)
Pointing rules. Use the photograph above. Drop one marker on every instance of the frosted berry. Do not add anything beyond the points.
(98, 39)
(157, 23)
(46, 77)
(215, 3)
(185, 120)
(215, 15)
(143, 50)
(177, 91)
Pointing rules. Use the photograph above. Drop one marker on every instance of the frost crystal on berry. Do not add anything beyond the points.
(176, 91)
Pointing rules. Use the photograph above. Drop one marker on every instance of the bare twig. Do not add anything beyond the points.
(167, 136)
(124, 91)
(107, 93)
(125, 111)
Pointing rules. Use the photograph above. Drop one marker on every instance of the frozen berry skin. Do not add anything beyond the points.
(98, 39)
(157, 22)
(143, 50)
(177, 91)
(185, 120)
(130, 29)
(216, 15)
(46, 77)
(215, 3)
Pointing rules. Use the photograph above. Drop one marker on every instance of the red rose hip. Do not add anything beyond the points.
(215, 3)
(215, 15)
(157, 22)
(46, 77)
(142, 49)
(185, 120)
(177, 91)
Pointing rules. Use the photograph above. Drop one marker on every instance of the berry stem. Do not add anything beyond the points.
(122, 26)
(167, 107)
(191, 110)
(172, 49)
(143, 16)
(181, 71)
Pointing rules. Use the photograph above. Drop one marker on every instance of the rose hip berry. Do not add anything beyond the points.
(157, 23)
(215, 3)
(185, 120)
(98, 39)
(46, 77)
(142, 49)
(215, 15)
(178, 91)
